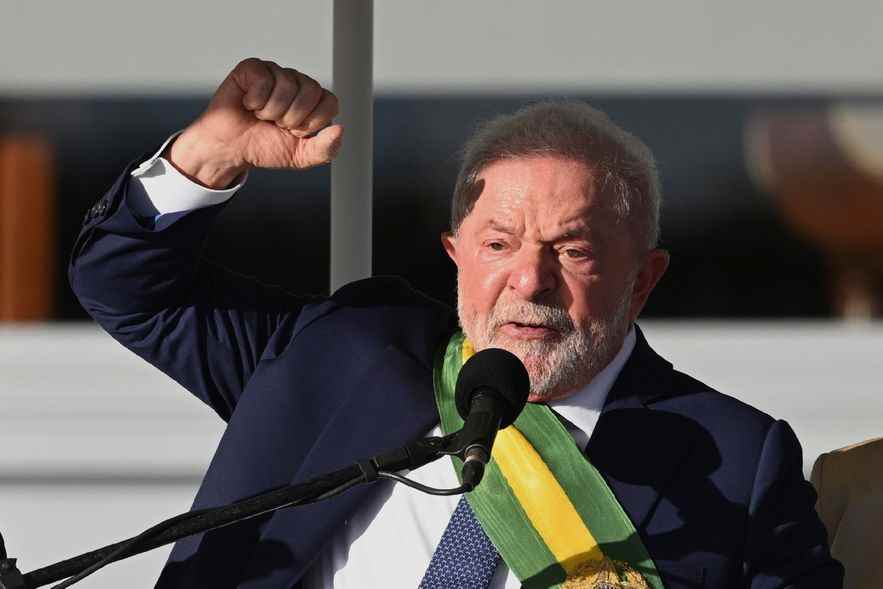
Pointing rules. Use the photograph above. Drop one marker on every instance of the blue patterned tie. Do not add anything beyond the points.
(465, 557)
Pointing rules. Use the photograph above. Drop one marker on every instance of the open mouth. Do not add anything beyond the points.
(528, 330)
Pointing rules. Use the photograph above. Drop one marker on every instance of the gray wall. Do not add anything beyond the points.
(426, 45)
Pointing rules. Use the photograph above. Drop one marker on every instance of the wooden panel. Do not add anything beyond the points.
(27, 228)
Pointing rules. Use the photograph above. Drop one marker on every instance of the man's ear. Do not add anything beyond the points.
(653, 267)
(449, 242)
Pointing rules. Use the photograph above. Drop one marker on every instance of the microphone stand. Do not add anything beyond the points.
(383, 465)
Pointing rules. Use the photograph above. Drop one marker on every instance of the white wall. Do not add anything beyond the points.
(95, 445)
(457, 45)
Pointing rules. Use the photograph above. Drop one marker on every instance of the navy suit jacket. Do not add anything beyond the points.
(714, 487)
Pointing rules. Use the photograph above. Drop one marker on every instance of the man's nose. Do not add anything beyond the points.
(534, 275)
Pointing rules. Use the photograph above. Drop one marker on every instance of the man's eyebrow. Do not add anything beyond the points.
(582, 232)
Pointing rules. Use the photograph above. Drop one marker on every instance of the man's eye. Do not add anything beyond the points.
(497, 246)
(575, 254)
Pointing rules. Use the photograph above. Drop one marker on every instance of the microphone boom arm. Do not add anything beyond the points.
(383, 465)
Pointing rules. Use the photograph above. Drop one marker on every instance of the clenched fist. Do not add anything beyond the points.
(264, 116)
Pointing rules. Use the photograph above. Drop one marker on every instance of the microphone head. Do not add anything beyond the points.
(500, 371)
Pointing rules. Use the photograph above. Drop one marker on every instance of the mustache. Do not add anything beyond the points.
(528, 313)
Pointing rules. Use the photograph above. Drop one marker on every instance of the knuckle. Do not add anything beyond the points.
(314, 124)
(331, 107)
(290, 120)
(316, 95)
(263, 83)
(307, 96)
(307, 100)
(290, 83)
(251, 65)
(311, 85)
(270, 112)
(282, 84)
(255, 75)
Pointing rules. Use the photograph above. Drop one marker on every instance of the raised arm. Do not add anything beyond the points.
(139, 273)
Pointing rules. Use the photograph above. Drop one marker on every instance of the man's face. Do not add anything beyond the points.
(549, 271)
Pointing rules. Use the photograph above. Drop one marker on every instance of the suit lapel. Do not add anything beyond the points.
(638, 450)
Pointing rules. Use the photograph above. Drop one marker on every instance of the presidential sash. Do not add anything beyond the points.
(547, 510)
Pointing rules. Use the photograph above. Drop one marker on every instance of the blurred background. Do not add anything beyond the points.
(766, 120)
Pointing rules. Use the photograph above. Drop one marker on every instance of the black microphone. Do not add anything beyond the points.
(492, 389)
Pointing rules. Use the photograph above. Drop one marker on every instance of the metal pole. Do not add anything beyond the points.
(352, 171)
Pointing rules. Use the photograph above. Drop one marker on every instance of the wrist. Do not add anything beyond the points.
(202, 163)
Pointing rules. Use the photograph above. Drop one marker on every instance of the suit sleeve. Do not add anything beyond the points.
(143, 281)
(786, 545)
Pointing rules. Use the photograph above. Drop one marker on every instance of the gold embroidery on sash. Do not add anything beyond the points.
(604, 574)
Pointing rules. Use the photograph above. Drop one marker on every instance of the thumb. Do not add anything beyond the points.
(321, 148)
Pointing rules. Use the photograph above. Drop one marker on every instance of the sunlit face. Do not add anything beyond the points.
(549, 271)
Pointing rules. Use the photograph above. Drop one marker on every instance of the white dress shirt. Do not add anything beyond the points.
(388, 541)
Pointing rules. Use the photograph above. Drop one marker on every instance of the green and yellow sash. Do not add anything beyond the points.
(546, 509)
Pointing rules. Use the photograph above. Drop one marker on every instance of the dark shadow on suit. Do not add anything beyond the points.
(273, 553)
(662, 456)
(242, 543)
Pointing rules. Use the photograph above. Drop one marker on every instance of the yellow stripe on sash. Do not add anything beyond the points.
(546, 504)
(467, 351)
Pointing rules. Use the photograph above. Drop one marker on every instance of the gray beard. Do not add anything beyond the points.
(558, 367)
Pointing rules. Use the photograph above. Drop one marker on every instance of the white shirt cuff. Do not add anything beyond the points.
(157, 188)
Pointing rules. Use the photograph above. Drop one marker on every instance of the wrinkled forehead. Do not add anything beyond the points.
(541, 189)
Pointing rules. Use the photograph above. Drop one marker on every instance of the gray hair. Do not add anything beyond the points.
(620, 162)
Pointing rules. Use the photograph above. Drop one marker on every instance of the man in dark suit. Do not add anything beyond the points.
(554, 234)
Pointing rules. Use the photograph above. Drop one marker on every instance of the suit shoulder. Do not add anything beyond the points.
(384, 291)
(387, 310)
(694, 396)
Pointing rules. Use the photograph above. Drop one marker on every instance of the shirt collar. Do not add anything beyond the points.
(583, 407)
